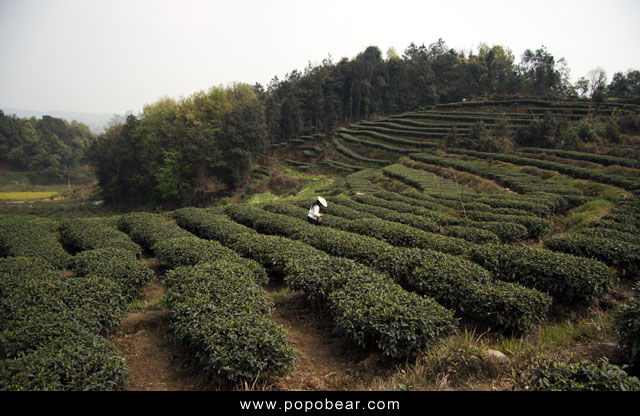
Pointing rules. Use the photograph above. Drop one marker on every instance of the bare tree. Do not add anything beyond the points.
(597, 80)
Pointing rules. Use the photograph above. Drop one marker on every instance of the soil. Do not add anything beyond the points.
(325, 361)
(155, 362)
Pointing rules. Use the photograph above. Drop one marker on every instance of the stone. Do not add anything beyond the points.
(497, 356)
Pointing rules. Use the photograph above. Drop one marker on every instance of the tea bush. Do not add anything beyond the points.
(627, 321)
(51, 325)
(15, 271)
(222, 314)
(190, 251)
(568, 279)
(379, 312)
(117, 264)
(147, 229)
(468, 288)
(90, 234)
(625, 257)
(209, 225)
(579, 376)
(33, 239)
(405, 236)
(88, 362)
(526, 306)
(535, 226)
(319, 275)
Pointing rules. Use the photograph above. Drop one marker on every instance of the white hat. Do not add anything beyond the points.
(322, 201)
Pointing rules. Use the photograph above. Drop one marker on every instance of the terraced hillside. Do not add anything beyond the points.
(421, 243)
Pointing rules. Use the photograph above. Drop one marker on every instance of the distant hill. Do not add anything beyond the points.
(96, 122)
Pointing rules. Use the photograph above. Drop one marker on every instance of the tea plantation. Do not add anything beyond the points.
(420, 240)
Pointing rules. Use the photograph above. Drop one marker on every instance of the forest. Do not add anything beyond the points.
(195, 150)
(48, 147)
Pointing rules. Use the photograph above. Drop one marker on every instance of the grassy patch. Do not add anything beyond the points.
(15, 218)
(579, 217)
(263, 197)
(142, 305)
(313, 184)
(463, 361)
(18, 196)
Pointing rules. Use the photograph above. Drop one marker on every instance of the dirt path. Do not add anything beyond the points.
(325, 362)
(154, 361)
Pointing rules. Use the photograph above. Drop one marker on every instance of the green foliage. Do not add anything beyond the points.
(90, 234)
(379, 312)
(452, 281)
(15, 271)
(33, 239)
(629, 184)
(320, 275)
(405, 236)
(117, 264)
(209, 225)
(568, 279)
(190, 251)
(86, 363)
(590, 157)
(219, 311)
(468, 288)
(148, 229)
(579, 376)
(625, 257)
(535, 226)
(50, 327)
(341, 148)
(190, 151)
(47, 146)
(471, 234)
(627, 321)
(517, 181)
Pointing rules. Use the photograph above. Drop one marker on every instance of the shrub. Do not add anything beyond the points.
(535, 226)
(90, 234)
(568, 279)
(468, 288)
(88, 362)
(219, 311)
(404, 236)
(190, 251)
(616, 253)
(117, 264)
(15, 271)
(33, 239)
(50, 327)
(507, 232)
(471, 234)
(579, 376)
(209, 225)
(320, 275)
(147, 229)
(91, 298)
(323, 274)
(457, 287)
(627, 321)
(379, 312)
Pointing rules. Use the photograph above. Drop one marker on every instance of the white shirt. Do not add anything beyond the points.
(314, 212)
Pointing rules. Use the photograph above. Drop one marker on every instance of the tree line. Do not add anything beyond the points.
(324, 96)
(188, 151)
(47, 147)
(196, 149)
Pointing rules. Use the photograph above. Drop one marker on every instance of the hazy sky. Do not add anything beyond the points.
(113, 56)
